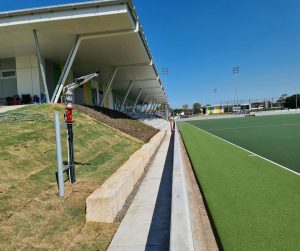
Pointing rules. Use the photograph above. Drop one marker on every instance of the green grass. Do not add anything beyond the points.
(32, 216)
(274, 137)
(254, 204)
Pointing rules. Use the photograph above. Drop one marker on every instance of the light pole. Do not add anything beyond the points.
(296, 98)
(216, 101)
(236, 71)
(165, 73)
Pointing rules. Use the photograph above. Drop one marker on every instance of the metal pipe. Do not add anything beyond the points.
(60, 172)
(41, 65)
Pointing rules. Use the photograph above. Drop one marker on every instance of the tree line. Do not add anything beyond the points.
(290, 102)
(196, 109)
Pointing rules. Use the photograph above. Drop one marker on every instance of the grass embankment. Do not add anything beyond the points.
(274, 137)
(254, 204)
(32, 216)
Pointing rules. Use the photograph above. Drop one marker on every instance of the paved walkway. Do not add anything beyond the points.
(10, 108)
(156, 123)
(146, 225)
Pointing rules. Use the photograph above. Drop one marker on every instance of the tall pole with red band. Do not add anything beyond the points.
(69, 121)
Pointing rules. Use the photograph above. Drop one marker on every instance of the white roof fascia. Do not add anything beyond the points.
(61, 7)
(63, 15)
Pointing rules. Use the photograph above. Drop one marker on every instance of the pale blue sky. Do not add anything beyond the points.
(200, 42)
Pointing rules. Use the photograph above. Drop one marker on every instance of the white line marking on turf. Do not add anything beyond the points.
(250, 127)
(287, 169)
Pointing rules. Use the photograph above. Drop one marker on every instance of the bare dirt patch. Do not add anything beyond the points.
(119, 121)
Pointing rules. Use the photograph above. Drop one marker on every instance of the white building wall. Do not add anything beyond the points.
(28, 76)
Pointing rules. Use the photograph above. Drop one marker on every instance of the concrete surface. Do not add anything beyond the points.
(181, 228)
(10, 108)
(146, 226)
(158, 123)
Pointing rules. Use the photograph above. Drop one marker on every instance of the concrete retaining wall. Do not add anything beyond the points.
(104, 204)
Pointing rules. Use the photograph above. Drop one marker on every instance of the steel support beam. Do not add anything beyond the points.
(116, 69)
(74, 50)
(126, 95)
(66, 70)
(166, 111)
(149, 104)
(41, 65)
(108, 88)
(143, 103)
(151, 107)
(154, 109)
(137, 100)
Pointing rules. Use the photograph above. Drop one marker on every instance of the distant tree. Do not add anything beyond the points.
(196, 108)
(282, 99)
(177, 111)
(185, 107)
(292, 101)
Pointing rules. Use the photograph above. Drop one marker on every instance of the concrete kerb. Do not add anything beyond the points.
(181, 235)
(104, 204)
(190, 226)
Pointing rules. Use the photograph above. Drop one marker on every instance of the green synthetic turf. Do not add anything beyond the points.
(274, 137)
(254, 204)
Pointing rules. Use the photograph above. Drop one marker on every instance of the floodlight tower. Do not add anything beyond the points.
(215, 92)
(236, 71)
(296, 98)
(165, 73)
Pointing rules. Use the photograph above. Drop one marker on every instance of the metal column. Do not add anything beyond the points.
(60, 170)
(137, 100)
(41, 65)
(66, 70)
(149, 104)
(151, 107)
(166, 111)
(143, 103)
(126, 96)
(109, 85)
(154, 109)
